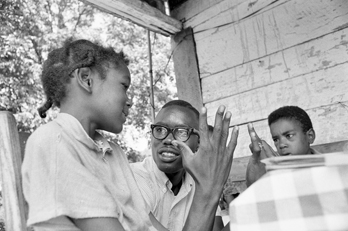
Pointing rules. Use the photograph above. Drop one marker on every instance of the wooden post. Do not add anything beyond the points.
(186, 68)
(152, 97)
(10, 170)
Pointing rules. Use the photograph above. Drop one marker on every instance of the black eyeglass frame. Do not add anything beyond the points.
(172, 130)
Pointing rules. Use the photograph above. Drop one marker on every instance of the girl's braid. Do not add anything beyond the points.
(58, 67)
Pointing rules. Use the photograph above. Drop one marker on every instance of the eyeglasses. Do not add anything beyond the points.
(160, 132)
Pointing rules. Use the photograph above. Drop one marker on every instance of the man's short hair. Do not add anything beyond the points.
(182, 103)
(291, 113)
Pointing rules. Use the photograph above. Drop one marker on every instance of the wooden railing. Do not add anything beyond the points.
(10, 170)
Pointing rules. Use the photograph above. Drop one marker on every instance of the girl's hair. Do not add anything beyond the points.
(61, 62)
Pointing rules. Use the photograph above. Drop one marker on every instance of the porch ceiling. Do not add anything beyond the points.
(173, 4)
(141, 13)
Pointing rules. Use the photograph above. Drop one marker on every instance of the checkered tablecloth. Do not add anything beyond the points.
(310, 198)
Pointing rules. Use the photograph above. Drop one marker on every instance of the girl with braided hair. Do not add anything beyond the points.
(73, 178)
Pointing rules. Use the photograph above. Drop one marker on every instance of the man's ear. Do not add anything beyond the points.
(84, 78)
(311, 135)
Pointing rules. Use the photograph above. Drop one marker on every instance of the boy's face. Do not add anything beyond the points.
(111, 105)
(289, 137)
(168, 157)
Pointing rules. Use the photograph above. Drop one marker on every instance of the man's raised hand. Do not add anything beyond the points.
(211, 164)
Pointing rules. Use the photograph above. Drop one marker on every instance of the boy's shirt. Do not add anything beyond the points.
(67, 174)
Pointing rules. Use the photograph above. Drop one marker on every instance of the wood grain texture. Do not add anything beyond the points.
(186, 68)
(340, 146)
(256, 56)
(318, 54)
(191, 8)
(229, 12)
(140, 13)
(289, 24)
(23, 137)
(312, 90)
(294, 59)
(10, 159)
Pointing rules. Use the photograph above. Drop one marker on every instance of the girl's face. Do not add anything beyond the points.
(111, 101)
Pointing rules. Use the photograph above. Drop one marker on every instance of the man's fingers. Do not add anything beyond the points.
(225, 129)
(218, 124)
(203, 125)
(233, 141)
(251, 147)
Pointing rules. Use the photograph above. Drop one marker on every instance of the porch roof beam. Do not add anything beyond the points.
(140, 13)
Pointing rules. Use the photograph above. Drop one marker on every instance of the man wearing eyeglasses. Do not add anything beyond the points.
(166, 187)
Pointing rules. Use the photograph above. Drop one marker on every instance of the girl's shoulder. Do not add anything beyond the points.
(45, 132)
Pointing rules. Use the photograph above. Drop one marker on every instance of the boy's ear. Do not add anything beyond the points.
(311, 135)
(84, 78)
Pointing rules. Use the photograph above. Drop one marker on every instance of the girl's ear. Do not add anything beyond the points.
(84, 78)
(311, 135)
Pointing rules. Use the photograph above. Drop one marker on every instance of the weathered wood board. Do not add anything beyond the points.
(222, 12)
(23, 137)
(273, 30)
(312, 90)
(10, 171)
(192, 8)
(186, 68)
(256, 56)
(141, 13)
(322, 53)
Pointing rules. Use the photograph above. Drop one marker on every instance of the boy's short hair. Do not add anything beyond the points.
(291, 113)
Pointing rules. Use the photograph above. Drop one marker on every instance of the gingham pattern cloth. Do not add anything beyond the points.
(313, 198)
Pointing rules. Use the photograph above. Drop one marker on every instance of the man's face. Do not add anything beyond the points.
(168, 157)
(289, 137)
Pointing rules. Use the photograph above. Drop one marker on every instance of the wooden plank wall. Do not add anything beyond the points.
(255, 56)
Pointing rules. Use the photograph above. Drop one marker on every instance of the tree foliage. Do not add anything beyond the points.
(29, 29)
